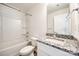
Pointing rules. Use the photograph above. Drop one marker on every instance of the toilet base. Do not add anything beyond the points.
(28, 55)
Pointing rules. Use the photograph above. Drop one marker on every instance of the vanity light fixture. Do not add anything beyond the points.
(69, 15)
(77, 9)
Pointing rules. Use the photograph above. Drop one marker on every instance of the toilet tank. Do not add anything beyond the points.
(33, 41)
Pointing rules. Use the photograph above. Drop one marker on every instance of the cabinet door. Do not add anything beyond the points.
(40, 50)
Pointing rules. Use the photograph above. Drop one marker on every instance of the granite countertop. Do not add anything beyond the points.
(70, 46)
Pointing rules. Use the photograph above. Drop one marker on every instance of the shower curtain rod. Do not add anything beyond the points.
(14, 8)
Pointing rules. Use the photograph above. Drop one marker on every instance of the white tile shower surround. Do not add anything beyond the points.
(12, 26)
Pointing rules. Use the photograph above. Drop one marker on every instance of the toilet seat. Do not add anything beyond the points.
(26, 50)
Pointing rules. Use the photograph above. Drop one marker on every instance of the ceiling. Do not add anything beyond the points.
(55, 6)
(24, 7)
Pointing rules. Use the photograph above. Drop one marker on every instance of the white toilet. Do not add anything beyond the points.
(28, 50)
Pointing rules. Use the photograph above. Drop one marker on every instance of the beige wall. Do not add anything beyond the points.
(38, 21)
(75, 20)
(0, 27)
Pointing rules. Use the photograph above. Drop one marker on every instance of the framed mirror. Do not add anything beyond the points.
(57, 21)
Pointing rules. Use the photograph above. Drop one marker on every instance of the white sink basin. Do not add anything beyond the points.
(55, 41)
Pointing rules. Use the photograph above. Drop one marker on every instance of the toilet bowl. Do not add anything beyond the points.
(26, 50)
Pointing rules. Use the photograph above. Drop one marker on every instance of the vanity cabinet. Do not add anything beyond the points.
(46, 50)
